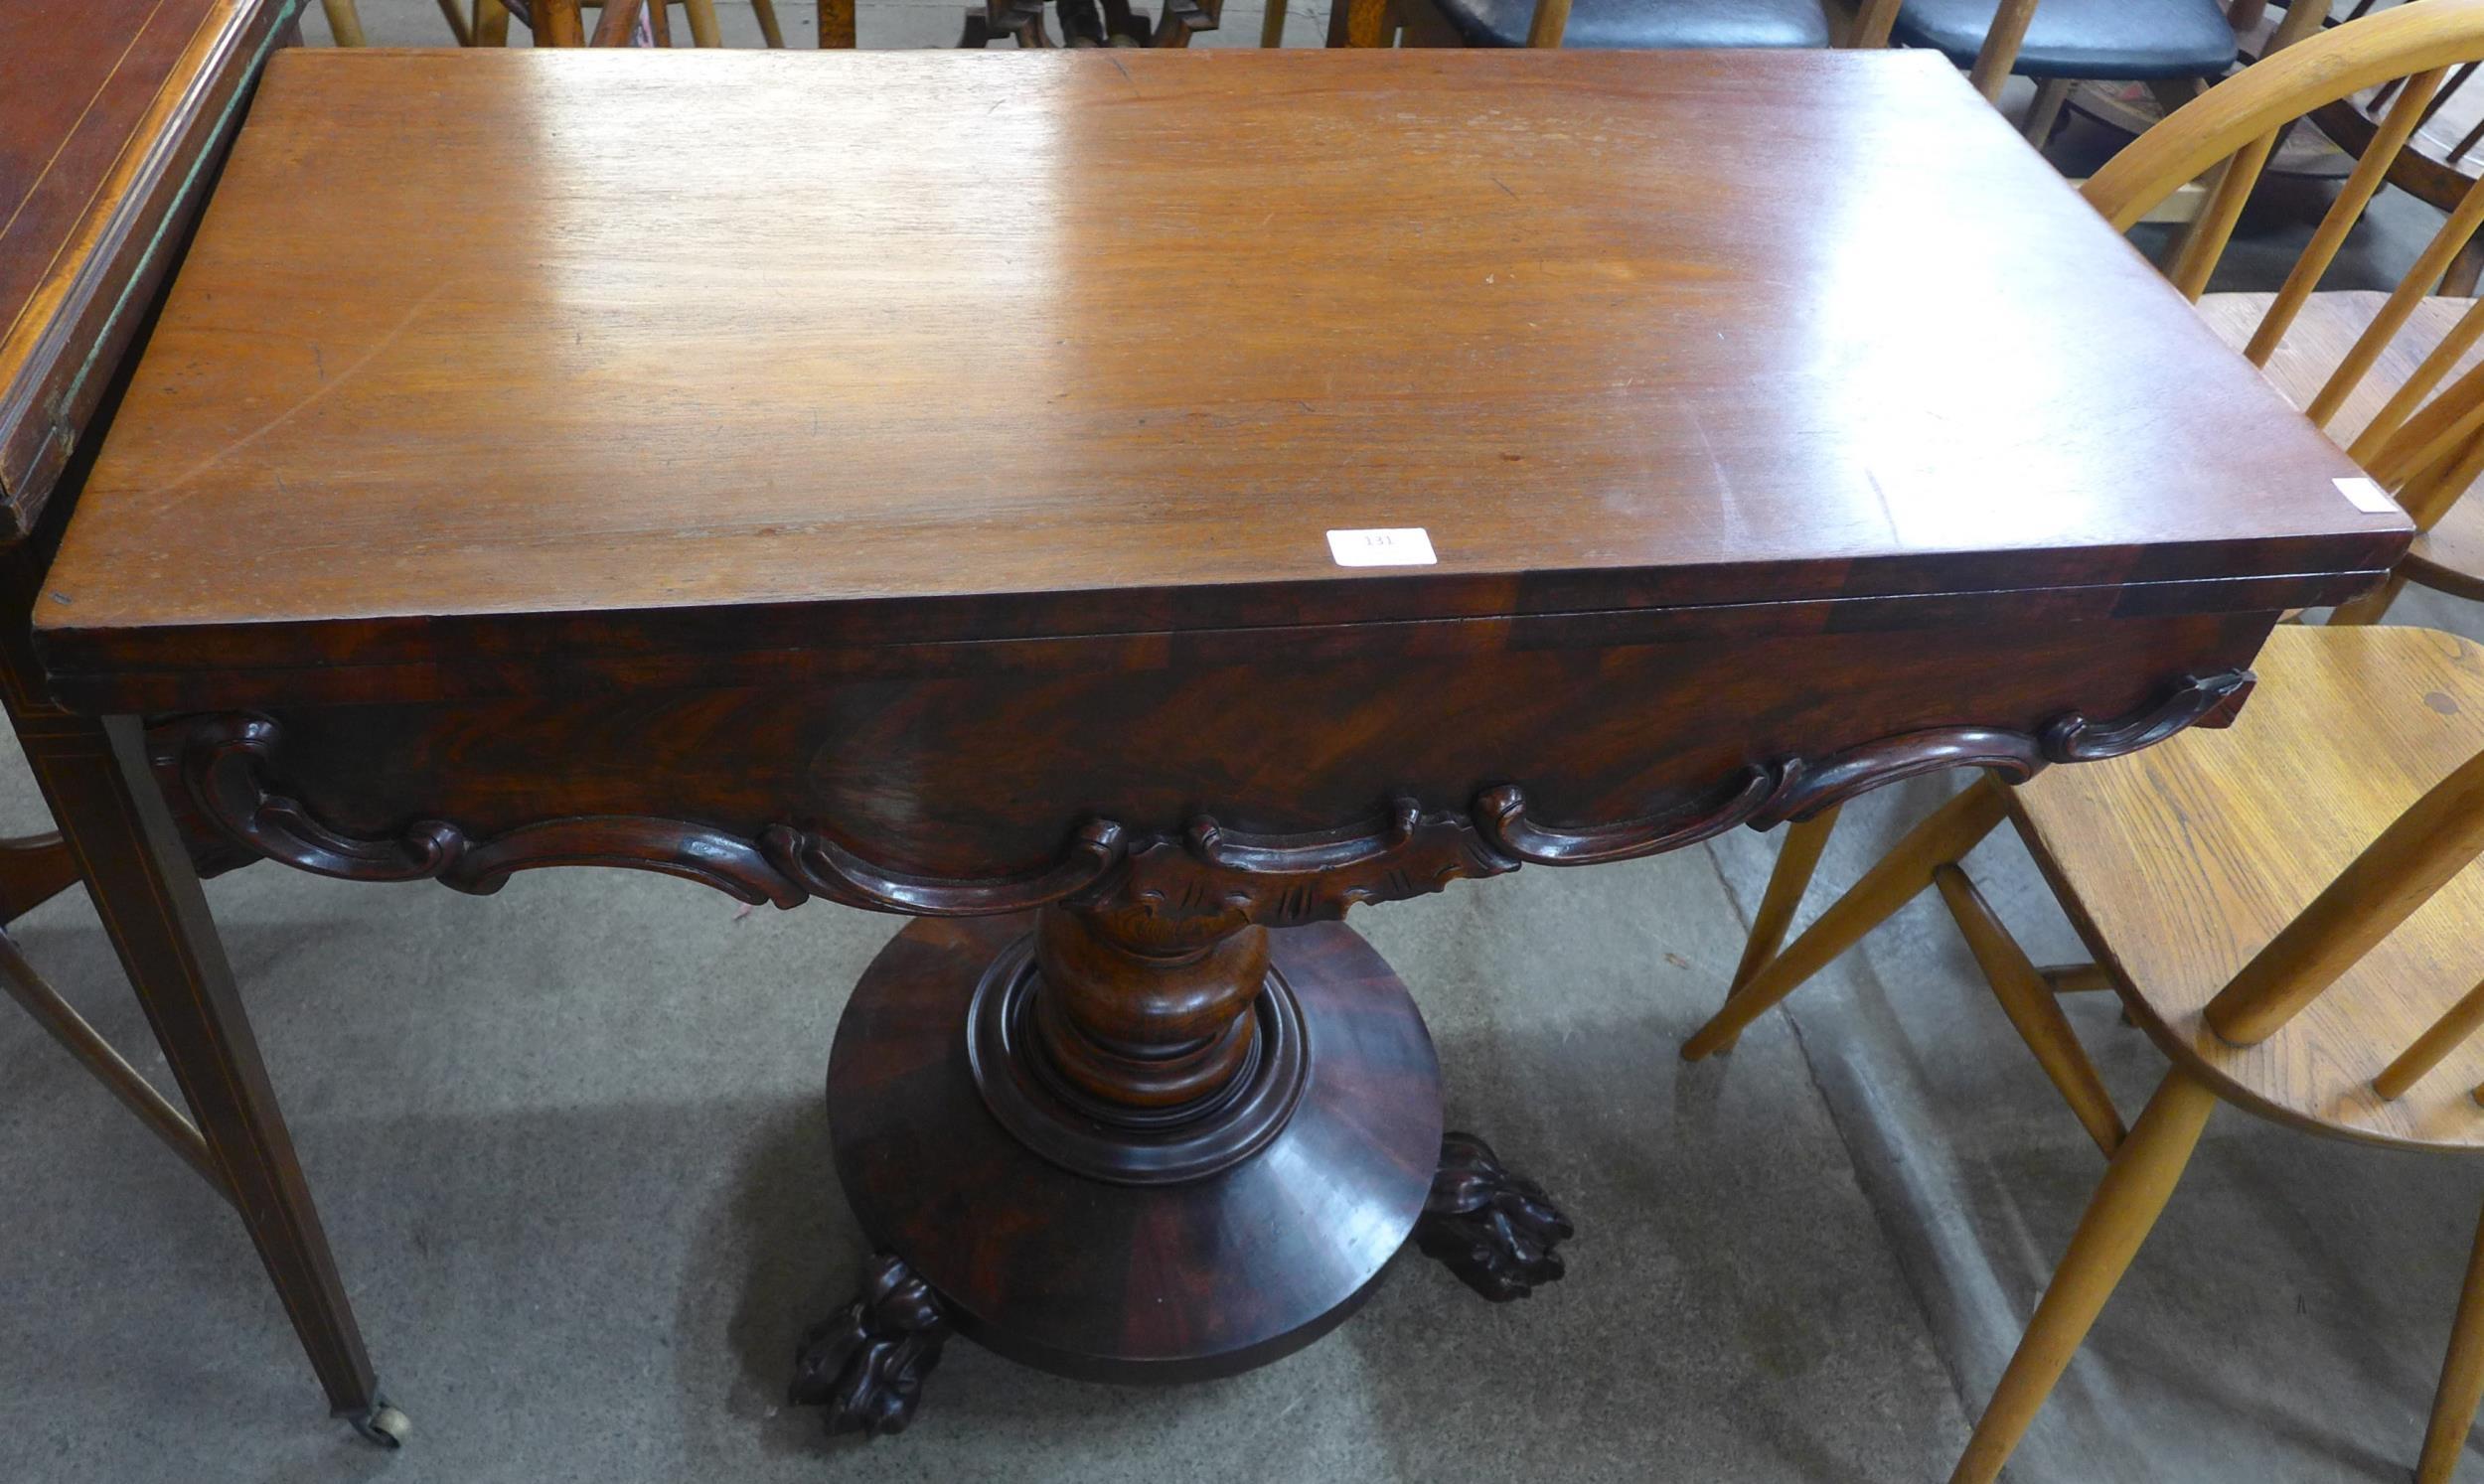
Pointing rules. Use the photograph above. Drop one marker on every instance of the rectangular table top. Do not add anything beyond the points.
(488, 357)
(106, 109)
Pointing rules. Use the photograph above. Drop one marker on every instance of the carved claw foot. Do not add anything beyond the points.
(867, 1364)
(1493, 1229)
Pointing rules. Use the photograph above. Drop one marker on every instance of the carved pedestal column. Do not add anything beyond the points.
(1171, 1128)
(1143, 1057)
(1110, 1154)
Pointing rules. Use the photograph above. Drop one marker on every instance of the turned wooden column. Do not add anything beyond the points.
(1138, 1047)
(1157, 1025)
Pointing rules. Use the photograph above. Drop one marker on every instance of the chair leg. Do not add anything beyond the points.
(457, 26)
(837, 23)
(2028, 1000)
(1869, 30)
(2126, 1205)
(1272, 25)
(102, 790)
(1947, 833)
(2462, 1379)
(1359, 23)
(2075, 978)
(1550, 20)
(344, 23)
(1999, 53)
(557, 22)
(2369, 608)
(1797, 859)
(703, 31)
(764, 11)
(2045, 110)
(491, 23)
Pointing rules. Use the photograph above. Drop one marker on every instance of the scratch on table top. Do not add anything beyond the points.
(1888, 512)
(1724, 480)
(325, 386)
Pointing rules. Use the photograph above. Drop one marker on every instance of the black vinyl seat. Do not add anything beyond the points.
(1654, 25)
(2120, 40)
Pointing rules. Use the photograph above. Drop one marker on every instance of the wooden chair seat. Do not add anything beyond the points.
(2115, 39)
(1647, 25)
(2449, 556)
(2182, 861)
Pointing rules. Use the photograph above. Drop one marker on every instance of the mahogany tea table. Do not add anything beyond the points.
(1267, 484)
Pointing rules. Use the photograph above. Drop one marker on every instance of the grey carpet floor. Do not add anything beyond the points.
(569, 1146)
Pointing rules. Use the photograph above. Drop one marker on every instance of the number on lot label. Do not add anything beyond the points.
(1405, 547)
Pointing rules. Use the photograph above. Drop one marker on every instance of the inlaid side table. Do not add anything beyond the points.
(114, 116)
(1125, 560)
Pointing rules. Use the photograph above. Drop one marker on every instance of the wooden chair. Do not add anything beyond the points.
(344, 23)
(621, 23)
(2064, 42)
(2443, 159)
(488, 23)
(1630, 25)
(2285, 959)
(2310, 966)
(2358, 364)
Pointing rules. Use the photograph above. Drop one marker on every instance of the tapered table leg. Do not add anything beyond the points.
(104, 796)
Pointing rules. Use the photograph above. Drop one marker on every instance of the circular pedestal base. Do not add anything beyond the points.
(1120, 1281)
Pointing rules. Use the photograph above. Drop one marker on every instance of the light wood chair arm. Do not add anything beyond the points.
(2373, 49)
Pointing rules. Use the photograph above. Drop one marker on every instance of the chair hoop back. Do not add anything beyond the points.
(2400, 42)
(2426, 444)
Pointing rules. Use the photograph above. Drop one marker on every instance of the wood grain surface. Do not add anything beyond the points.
(107, 109)
(499, 344)
(2180, 862)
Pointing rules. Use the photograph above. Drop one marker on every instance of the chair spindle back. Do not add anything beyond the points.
(2426, 435)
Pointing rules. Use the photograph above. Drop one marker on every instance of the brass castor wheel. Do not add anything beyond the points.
(382, 1425)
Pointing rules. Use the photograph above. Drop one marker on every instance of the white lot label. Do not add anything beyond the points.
(2366, 496)
(1410, 546)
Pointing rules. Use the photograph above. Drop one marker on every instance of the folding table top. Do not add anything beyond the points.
(711, 353)
(107, 107)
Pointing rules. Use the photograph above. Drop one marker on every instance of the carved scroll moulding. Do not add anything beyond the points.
(223, 775)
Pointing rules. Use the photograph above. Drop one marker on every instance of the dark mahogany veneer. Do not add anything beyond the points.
(591, 463)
